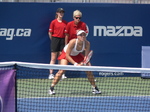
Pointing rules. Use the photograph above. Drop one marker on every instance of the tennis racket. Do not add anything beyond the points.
(89, 56)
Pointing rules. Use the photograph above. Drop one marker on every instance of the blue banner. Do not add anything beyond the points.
(117, 32)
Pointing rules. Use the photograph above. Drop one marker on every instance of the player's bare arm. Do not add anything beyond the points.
(87, 47)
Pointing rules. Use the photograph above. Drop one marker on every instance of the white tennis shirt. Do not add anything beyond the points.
(74, 51)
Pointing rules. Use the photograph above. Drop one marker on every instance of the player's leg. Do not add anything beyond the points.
(53, 61)
(91, 79)
(57, 77)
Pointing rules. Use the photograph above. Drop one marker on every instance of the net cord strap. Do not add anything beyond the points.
(77, 68)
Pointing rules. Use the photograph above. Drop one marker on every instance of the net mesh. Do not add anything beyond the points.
(123, 89)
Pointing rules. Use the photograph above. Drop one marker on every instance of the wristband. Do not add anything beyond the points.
(75, 64)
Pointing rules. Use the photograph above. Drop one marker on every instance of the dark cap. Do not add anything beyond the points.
(60, 10)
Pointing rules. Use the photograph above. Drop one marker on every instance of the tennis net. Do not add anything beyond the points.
(122, 89)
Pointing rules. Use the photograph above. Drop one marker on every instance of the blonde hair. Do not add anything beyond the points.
(77, 13)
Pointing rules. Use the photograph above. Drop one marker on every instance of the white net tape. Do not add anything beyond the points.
(77, 68)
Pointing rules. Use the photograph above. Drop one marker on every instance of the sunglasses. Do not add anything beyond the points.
(78, 17)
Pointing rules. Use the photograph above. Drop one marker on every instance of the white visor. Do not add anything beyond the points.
(81, 31)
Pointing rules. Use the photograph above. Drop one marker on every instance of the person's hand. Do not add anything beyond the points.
(82, 64)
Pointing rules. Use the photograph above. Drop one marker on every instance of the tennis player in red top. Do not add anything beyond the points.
(72, 53)
(74, 26)
(57, 36)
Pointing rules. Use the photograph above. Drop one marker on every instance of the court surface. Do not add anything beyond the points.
(119, 94)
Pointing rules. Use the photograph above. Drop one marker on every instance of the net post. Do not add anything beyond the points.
(15, 67)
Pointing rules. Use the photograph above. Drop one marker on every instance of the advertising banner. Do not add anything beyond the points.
(7, 90)
(117, 32)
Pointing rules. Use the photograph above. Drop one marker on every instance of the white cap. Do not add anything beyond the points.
(80, 31)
